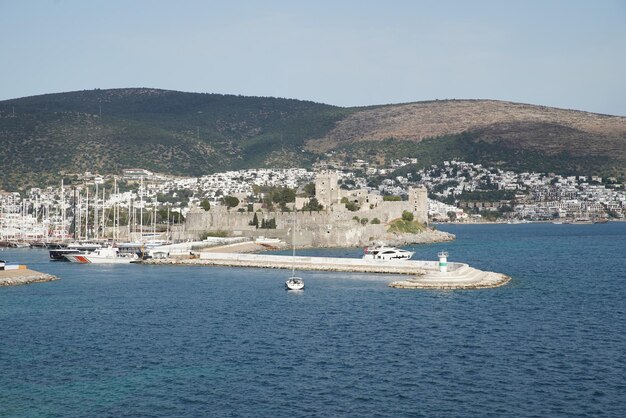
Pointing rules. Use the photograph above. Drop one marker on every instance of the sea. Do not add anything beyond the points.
(163, 341)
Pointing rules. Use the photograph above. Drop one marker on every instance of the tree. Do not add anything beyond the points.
(407, 216)
(452, 215)
(230, 201)
(269, 224)
(255, 221)
(205, 205)
(313, 205)
(283, 195)
(309, 189)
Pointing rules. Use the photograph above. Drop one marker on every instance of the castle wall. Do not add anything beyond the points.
(333, 226)
(320, 229)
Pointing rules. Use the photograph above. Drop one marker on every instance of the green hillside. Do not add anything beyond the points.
(171, 132)
(104, 131)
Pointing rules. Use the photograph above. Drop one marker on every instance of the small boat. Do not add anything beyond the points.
(106, 255)
(383, 252)
(294, 282)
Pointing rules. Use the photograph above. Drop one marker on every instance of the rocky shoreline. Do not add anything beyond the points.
(430, 236)
(24, 276)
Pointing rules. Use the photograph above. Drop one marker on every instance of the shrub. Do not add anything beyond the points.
(352, 207)
(402, 226)
(375, 221)
(205, 205)
(407, 216)
(364, 221)
(218, 233)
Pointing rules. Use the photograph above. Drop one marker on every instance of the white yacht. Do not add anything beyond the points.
(106, 255)
(383, 252)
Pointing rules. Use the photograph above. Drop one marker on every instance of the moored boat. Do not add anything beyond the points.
(383, 252)
(106, 255)
(59, 253)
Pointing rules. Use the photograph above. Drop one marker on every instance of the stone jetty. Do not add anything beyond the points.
(461, 276)
(424, 274)
(23, 276)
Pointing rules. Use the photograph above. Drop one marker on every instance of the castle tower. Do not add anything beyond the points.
(418, 198)
(326, 189)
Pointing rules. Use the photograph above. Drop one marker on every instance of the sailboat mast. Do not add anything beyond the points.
(64, 232)
(87, 212)
(293, 246)
(141, 210)
(95, 213)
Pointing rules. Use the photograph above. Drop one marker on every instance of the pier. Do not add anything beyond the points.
(422, 274)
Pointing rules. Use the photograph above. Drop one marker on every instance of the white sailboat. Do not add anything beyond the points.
(294, 282)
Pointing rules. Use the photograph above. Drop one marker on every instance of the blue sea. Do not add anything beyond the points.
(132, 340)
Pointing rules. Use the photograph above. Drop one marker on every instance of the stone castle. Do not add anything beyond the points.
(333, 226)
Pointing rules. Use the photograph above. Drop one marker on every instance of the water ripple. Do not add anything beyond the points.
(172, 341)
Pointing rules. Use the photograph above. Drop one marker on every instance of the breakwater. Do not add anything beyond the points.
(423, 274)
(23, 276)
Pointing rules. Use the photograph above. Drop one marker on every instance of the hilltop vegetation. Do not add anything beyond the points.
(104, 131)
(165, 131)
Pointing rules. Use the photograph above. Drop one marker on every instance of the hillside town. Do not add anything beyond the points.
(457, 192)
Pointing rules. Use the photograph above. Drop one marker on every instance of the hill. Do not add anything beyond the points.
(165, 131)
(512, 135)
(173, 132)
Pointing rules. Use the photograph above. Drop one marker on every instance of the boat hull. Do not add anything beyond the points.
(294, 283)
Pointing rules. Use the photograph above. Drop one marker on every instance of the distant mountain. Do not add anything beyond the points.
(104, 131)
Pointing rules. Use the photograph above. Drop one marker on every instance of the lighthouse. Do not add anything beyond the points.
(443, 261)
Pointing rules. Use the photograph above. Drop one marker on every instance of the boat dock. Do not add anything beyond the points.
(424, 274)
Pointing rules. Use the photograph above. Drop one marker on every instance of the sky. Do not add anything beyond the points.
(563, 53)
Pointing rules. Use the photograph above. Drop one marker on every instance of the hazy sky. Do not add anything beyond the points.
(569, 54)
